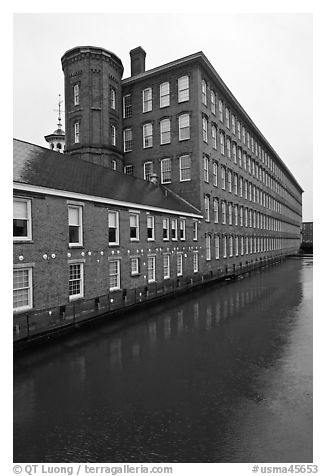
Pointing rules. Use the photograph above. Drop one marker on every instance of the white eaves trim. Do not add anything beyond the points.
(91, 198)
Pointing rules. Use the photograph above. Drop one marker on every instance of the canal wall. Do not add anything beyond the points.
(41, 326)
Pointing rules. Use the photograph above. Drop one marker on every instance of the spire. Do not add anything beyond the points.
(59, 111)
(56, 140)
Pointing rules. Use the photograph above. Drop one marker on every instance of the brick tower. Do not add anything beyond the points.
(93, 119)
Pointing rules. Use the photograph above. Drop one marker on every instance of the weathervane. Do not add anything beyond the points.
(59, 111)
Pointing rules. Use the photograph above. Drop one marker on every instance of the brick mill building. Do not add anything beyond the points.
(165, 181)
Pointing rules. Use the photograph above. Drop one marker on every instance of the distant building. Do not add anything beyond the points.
(164, 177)
(307, 232)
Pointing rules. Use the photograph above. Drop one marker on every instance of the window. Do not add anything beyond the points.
(134, 226)
(220, 110)
(113, 222)
(239, 130)
(179, 264)
(148, 171)
(164, 94)
(244, 160)
(129, 169)
(22, 289)
(165, 130)
(223, 178)
(113, 98)
(76, 281)
(240, 157)
(113, 135)
(204, 92)
(215, 174)
(134, 266)
(214, 136)
(127, 140)
(184, 127)
(217, 246)
(204, 121)
(166, 266)
(127, 106)
(147, 135)
(147, 100)
(233, 124)
(223, 213)
(165, 229)
(75, 225)
(241, 186)
(243, 135)
(227, 118)
(174, 235)
(230, 246)
(150, 228)
(206, 208)
(182, 229)
(183, 89)
(224, 246)
(195, 261)
(185, 168)
(213, 102)
(229, 181)
(228, 148)
(241, 245)
(166, 171)
(222, 142)
(205, 163)
(151, 268)
(22, 220)
(208, 247)
(235, 184)
(236, 246)
(77, 132)
(234, 152)
(195, 230)
(215, 208)
(230, 213)
(236, 215)
(248, 140)
(114, 164)
(246, 189)
(114, 275)
(76, 95)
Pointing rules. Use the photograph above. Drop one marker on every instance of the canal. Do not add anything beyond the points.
(223, 374)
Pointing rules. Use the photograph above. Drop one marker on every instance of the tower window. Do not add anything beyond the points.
(77, 132)
(76, 95)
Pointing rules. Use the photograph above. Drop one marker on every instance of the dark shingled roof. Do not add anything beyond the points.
(35, 165)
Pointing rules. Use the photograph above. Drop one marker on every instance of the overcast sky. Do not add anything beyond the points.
(265, 60)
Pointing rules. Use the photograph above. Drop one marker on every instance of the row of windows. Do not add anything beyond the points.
(23, 284)
(112, 97)
(166, 169)
(174, 228)
(165, 132)
(240, 216)
(164, 96)
(239, 130)
(229, 246)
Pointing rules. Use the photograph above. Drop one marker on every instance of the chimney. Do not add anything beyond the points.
(137, 60)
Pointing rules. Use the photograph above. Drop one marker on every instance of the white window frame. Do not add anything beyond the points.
(207, 205)
(179, 263)
(29, 288)
(165, 131)
(182, 229)
(147, 100)
(205, 127)
(127, 142)
(134, 270)
(195, 230)
(174, 227)
(214, 136)
(206, 168)
(217, 246)
(147, 135)
(215, 208)
(116, 228)
(136, 215)
(28, 219)
(185, 168)
(166, 226)
(80, 225)
(222, 143)
(76, 95)
(215, 173)
(150, 222)
(113, 134)
(208, 253)
(148, 175)
(166, 170)
(204, 92)
(183, 90)
(213, 102)
(73, 297)
(195, 261)
(184, 130)
(151, 269)
(77, 132)
(117, 274)
(164, 96)
(166, 266)
(113, 98)
(127, 109)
